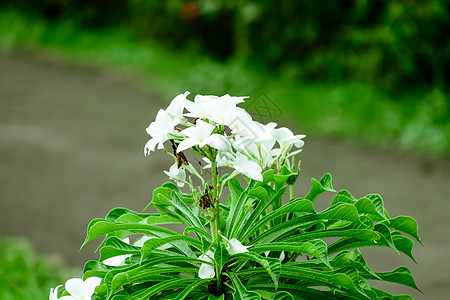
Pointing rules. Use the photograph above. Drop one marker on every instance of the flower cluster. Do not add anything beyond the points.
(220, 131)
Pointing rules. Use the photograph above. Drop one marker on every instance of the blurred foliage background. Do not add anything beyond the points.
(366, 69)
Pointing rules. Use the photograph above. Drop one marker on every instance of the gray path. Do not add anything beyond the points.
(71, 143)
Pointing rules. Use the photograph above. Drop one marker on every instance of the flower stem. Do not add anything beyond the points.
(291, 192)
(215, 223)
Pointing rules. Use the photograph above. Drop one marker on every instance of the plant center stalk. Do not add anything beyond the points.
(215, 223)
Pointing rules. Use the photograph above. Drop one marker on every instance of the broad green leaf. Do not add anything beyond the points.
(363, 234)
(271, 265)
(327, 278)
(100, 227)
(365, 206)
(240, 292)
(300, 291)
(162, 286)
(152, 244)
(297, 205)
(103, 227)
(316, 248)
(346, 212)
(405, 224)
(213, 297)
(401, 275)
(402, 244)
(318, 188)
(235, 213)
(260, 208)
(378, 204)
(221, 256)
(119, 211)
(242, 209)
(282, 295)
(235, 190)
(191, 287)
(384, 230)
(382, 295)
(343, 196)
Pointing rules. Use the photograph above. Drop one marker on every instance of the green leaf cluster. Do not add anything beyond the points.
(294, 251)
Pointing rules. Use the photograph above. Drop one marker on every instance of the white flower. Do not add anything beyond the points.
(249, 168)
(201, 135)
(118, 260)
(239, 123)
(81, 290)
(159, 130)
(207, 270)
(201, 106)
(234, 99)
(234, 247)
(225, 111)
(286, 138)
(142, 240)
(54, 293)
(220, 162)
(177, 174)
(197, 135)
(176, 107)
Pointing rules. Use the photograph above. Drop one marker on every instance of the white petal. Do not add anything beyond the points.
(54, 293)
(234, 247)
(90, 284)
(218, 142)
(116, 261)
(206, 271)
(69, 298)
(150, 146)
(75, 287)
(186, 144)
(176, 107)
(142, 240)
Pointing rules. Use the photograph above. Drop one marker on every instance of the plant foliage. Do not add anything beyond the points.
(262, 242)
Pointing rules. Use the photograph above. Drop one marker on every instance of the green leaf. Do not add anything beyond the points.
(316, 248)
(191, 287)
(382, 295)
(318, 188)
(405, 224)
(297, 205)
(235, 213)
(214, 297)
(260, 208)
(363, 234)
(402, 244)
(240, 292)
(99, 227)
(378, 204)
(346, 212)
(102, 227)
(366, 206)
(337, 280)
(401, 275)
(271, 265)
(221, 256)
(343, 196)
(152, 244)
(161, 286)
(282, 295)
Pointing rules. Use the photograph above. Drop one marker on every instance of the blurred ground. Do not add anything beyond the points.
(71, 149)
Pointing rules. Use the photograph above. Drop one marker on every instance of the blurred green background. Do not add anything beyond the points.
(366, 71)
